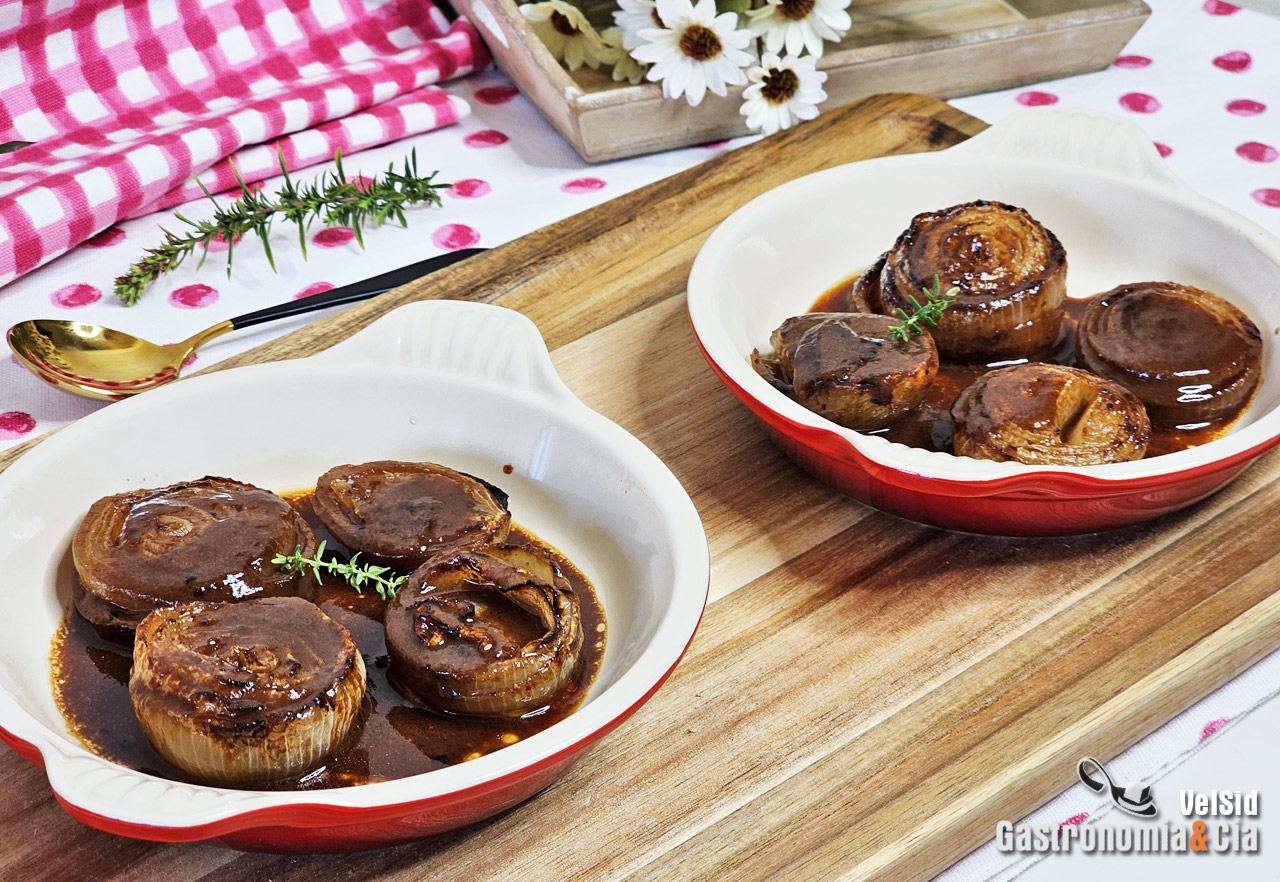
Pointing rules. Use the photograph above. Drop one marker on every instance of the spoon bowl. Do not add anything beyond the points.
(97, 362)
(100, 363)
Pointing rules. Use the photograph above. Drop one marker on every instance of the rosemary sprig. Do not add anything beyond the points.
(331, 198)
(356, 574)
(929, 312)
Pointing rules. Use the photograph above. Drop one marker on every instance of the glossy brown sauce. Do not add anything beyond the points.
(392, 737)
(506, 626)
(928, 425)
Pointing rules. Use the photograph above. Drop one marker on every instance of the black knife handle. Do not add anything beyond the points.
(356, 291)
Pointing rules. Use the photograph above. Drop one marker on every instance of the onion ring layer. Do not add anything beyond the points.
(850, 368)
(245, 693)
(400, 514)
(1191, 356)
(211, 539)
(492, 633)
(1010, 271)
(1047, 414)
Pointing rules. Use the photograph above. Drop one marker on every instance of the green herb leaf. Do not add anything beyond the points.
(929, 312)
(331, 199)
(357, 575)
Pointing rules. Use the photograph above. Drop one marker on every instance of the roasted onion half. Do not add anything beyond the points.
(399, 514)
(245, 693)
(488, 633)
(211, 539)
(1047, 414)
(1191, 356)
(849, 367)
(1011, 273)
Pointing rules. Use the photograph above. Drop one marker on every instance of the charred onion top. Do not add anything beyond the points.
(1189, 355)
(245, 692)
(1010, 271)
(496, 632)
(1048, 414)
(850, 368)
(211, 539)
(400, 514)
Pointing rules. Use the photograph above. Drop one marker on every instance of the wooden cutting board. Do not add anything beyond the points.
(866, 696)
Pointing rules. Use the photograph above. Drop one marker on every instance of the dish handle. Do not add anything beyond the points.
(1084, 138)
(461, 338)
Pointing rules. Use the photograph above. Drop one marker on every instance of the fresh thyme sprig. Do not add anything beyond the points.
(357, 575)
(929, 312)
(331, 198)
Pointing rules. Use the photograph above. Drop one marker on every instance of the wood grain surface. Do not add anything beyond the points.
(866, 697)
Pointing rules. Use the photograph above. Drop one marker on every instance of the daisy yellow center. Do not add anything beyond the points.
(780, 86)
(561, 23)
(700, 43)
(796, 10)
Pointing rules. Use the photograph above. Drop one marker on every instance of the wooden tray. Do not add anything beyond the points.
(944, 48)
(866, 696)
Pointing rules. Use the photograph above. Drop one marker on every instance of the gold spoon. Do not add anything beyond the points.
(97, 362)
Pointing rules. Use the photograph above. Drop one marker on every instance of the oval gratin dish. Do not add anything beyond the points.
(467, 384)
(1099, 184)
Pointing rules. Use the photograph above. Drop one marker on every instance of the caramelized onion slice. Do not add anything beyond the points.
(849, 367)
(864, 295)
(399, 514)
(1047, 414)
(211, 539)
(1191, 356)
(245, 693)
(492, 633)
(1011, 273)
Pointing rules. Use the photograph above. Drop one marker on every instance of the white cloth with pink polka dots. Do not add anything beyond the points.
(1203, 78)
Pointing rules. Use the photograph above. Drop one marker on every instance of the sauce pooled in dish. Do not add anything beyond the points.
(1156, 367)
(217, 664)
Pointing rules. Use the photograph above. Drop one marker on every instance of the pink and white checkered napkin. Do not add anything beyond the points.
(126, 100)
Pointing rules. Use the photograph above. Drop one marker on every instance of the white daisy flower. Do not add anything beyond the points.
(696, 51)
(781, 89)
(634, 16)
(565, 31)
(626, 67)
(800, 24)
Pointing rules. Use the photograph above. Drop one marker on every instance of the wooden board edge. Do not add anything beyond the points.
(1111, 728)
(473, 273)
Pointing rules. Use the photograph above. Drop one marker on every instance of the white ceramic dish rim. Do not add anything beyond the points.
(74, 772)
(1088, 143)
